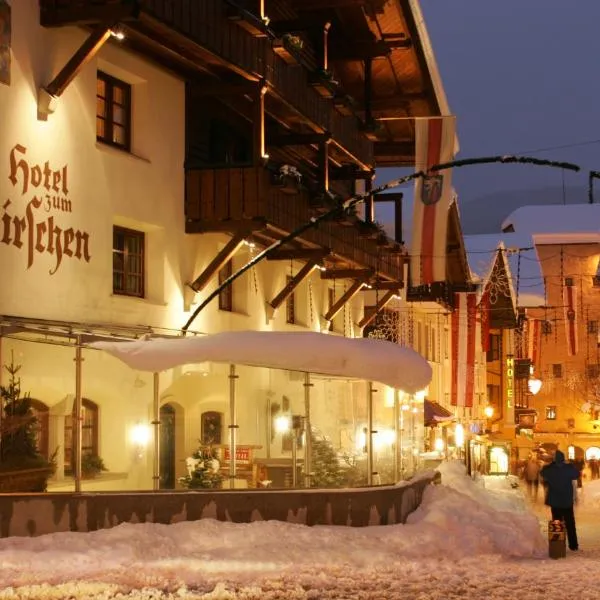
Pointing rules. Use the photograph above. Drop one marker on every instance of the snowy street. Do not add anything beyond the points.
(468, 540)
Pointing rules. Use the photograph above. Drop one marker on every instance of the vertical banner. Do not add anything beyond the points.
(464, 333)
(570, 304)
(534, 340)
(484, 317)
(433, 196)
(5, 35)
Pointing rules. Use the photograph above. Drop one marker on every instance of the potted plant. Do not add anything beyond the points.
(203, 469)
(323, 82)
(288, 48)
(22, 467)
(91, 465)
(288, 179)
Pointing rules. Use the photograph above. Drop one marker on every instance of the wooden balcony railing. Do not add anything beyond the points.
(234, 194)
(205, 23)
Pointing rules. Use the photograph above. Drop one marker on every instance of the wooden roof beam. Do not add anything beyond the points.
(293, 283)
(363, 49)
(88, 13)
(327, 4)
(383, 302)
(218, 262)
(394, 148)
(312, 254)
(335, 308)
(397, 102)
(243, 227)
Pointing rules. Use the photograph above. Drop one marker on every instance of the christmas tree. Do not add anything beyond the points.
(18, 444)
(203, 470)
(327, 472)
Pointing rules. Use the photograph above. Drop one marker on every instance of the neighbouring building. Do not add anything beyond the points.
(150, 149)
(563, 333)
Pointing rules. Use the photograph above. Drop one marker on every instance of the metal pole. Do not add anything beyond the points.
(370, 433)
(232, 426)
(397, 435)
(308, 431)
(156, 424)
(77, 428)
(294, 458)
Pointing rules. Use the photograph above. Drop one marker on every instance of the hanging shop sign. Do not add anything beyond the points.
(39, 226)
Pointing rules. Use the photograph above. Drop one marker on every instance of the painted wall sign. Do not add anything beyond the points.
(5, 35)
(37, 229)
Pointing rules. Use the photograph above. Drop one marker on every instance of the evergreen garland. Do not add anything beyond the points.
(204, 473)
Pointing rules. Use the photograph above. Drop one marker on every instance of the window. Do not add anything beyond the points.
(493, 354)
(568, 281)
(113, 111)
(89, 433)
(226, 295)
(128, 262)
(557, 371)
(211, 426)
(290, 304)
(551, 413)
(592, 326)
(592, 371)
(546, 327)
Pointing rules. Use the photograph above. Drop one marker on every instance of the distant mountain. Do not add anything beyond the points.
(485, 214)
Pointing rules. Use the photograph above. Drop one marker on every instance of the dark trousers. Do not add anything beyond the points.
(566, 515)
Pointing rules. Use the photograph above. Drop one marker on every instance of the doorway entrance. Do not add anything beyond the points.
(167, 447)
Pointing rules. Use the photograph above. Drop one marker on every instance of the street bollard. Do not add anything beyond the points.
(557, 546)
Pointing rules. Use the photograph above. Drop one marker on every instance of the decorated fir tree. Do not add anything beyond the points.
(203, 469)
(327, 472)
(18, 444)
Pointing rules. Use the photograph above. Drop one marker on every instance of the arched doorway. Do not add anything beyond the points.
(167, 447)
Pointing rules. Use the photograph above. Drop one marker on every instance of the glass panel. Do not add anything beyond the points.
(101, 88)
(100, 107)
(384, 441)
(118, 95)
(118, 136)
(118, 115)
(100, 128)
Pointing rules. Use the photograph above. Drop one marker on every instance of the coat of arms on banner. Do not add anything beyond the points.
(5, 33)
(431, 190)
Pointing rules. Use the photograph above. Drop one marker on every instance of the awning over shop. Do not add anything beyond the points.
(311, 352)
(435, 414)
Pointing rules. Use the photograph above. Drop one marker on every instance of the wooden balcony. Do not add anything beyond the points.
(188, 35)
(232, 198)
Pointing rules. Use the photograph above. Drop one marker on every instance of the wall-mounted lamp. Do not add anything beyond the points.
(438, 445)
(117, 34)
(488, 411)
(459, 435)
(534, 385)
(282, 423)
(140, 436)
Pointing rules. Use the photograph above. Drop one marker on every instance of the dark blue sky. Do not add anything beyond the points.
(520, 75)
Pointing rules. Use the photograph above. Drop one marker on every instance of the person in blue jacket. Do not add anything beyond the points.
(558, 478)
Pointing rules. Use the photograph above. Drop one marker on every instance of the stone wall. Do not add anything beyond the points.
(38, 514)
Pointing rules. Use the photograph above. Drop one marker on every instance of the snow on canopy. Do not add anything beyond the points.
(355, 358)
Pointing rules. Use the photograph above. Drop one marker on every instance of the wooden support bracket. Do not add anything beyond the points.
(383, 302)
(217, 262)
(82, 56)
(344, 299)
(294, 282)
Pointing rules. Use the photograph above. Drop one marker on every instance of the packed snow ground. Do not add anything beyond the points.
(469, 539)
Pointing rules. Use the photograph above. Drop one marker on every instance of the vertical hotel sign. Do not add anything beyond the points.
(510, 389)
(5, 35)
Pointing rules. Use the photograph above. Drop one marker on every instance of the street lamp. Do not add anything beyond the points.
(534, 385)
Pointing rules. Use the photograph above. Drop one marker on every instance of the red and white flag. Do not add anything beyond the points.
(534, 341)
(464, 334)
(484, 316)
(433, 197)
(570, 304)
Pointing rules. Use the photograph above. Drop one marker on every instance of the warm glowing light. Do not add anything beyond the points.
(488, 411)
(459, 435)
(420, 395)
(405, 407)
(534, 385)
(439, 445)
(361, 439)
(140, 435)
(571, 452)
(390, 397)
(119, 35)
(282, 423)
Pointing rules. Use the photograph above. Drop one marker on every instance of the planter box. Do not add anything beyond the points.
(27, 480)
(286, 52)
(324, 86)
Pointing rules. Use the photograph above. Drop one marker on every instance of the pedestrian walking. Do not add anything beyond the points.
(559, 479)
(532, 476)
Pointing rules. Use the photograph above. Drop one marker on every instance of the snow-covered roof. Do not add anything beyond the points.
(523, 264)
(555, 224)
(311, 352)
